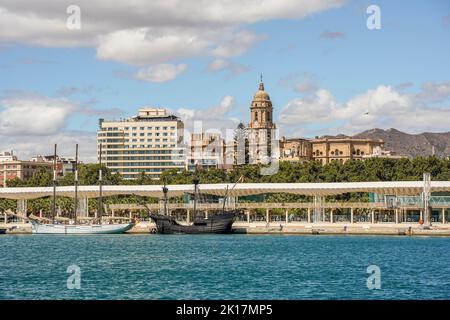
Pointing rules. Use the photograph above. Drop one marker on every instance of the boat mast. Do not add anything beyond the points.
(196, 182)
(76, 184)
(100, 183)
(54, 187)
(165, 191)
(227, 192)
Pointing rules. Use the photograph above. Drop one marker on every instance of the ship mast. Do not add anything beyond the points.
(196, 182)
(100, 183)
(165, 191)
(76, 185)
(227, 192)
(54, 187)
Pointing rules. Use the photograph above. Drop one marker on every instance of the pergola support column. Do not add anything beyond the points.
(372, 214)
(351, 215)
(248, 216)
(309, 215)
(286, 211)
(267, 215)
(396, 216)
(331, 215)
(443, 215)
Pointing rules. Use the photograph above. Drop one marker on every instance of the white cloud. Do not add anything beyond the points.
(27, 146)
(33, 115)
(306, 84)
(382, 107)
(161, 72)
(217, 65)
(145, 32)
(434, 92)
(150, 46)
(238, 44)
(32, 124)
(217, 118)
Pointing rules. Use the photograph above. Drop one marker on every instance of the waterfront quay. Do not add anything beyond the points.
(396, 209)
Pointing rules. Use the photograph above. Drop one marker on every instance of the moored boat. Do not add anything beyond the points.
(216, 223)
(54, 228)
(41, 227)
(2, 230)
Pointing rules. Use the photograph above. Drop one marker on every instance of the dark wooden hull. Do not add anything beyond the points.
(2, 230)
(219, 223)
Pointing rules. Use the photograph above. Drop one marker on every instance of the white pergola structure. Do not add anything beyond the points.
(397, 188)
(315, 211)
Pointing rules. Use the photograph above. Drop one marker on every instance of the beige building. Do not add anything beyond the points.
(326, 150)
(11, 168)
(295, 149)
(207, 150)
(261, 129)
(150, 142)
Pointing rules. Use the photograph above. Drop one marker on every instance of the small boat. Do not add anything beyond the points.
(3, 230)
(54, 228)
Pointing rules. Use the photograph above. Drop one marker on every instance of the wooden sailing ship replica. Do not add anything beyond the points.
(221, 222)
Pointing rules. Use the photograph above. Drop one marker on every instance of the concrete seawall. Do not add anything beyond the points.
(404, 229)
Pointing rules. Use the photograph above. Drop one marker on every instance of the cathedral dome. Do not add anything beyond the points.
(261, 94)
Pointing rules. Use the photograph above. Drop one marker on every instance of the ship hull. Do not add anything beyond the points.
(39, 228)
(220, 223)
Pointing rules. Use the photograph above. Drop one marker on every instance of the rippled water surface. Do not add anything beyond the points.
(223, 267)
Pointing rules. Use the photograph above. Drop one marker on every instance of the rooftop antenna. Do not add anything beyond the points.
(261, 77)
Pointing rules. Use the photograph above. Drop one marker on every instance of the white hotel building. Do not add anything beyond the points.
(150, 142)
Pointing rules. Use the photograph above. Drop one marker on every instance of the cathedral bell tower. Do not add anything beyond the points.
(261, 126)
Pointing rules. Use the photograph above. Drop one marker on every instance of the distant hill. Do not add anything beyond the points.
(411, 144)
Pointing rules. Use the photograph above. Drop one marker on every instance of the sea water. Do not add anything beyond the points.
(223, 267)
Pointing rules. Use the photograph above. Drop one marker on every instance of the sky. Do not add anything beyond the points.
(326, 71)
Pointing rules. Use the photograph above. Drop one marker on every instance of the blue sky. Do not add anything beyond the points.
(322, 67)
